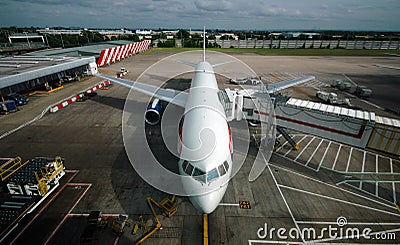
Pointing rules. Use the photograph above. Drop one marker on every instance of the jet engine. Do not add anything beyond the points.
(153, 112)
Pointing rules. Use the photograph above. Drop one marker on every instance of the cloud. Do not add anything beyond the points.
(213, 5)
(43, 2)
(279, 11)
(324, 6)
(224, 14)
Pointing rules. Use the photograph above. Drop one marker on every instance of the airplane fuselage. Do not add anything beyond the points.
(205, 142)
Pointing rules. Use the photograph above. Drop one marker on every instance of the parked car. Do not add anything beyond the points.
(18, 99)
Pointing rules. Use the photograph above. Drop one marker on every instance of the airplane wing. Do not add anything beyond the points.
(169, 95)
(275, 87)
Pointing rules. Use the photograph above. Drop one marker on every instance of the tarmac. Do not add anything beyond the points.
(308, 190)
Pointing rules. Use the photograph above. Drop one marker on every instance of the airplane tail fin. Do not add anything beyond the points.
(204, 55)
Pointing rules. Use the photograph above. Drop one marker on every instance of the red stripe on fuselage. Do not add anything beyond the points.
(230, 138)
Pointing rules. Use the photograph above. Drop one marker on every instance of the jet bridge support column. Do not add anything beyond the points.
(282, 131)
(239, 109)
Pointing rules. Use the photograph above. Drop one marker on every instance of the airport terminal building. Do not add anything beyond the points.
(47, 69)
(20, 74)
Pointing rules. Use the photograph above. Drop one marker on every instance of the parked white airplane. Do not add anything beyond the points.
(208, 163)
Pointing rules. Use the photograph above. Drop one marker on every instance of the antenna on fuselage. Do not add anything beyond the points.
(204, 44)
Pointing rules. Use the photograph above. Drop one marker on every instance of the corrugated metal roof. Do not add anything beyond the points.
(330, 109)
(372, 116)
(323, 107)
(342, 111)
(352, 113)
(359, 114)
(89, 50)
(38, 67)
(388, 121)
(336, 110)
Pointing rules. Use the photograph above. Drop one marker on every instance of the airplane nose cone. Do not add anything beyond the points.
(206, 203)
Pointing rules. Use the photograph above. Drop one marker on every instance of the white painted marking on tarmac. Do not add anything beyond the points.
(42, 210)
(393, 184)
(338, 200)
(71, 171)
(323, 157)
(316, 149)
(103, 215)
(297, 143)
(376, 170)
(348, 78)
(362, 168)
(337, 154)
(38, 117)
(284, 200)
(387, 67)
(348, 160)
(304, 148)
(370, 103)
(391, 165)
(281, 146)
(350, 95)
(334, 186)
(69, 211)
(116, 240)
(229, 204)
(286, 142)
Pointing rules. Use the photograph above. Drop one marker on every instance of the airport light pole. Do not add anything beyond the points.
(27, 39)
(62, 41)
(47, 41)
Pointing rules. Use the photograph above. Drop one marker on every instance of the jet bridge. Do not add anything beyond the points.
(348, 126)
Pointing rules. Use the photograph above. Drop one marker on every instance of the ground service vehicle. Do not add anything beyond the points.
(363, 92)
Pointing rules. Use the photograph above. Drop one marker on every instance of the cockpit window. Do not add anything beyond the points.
(198, 172)
(199, 175)
(184, 165)
(213, 174)
(221, 170)
(226, 165)
(189, 169)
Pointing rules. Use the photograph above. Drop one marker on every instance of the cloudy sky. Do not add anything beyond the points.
(222, 14)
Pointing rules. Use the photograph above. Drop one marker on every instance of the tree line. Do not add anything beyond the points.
(54, 41)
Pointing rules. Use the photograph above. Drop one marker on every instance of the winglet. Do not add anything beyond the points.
(204, 44)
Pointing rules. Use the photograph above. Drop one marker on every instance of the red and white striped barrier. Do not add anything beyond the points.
(111, 55)
(74, 98)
